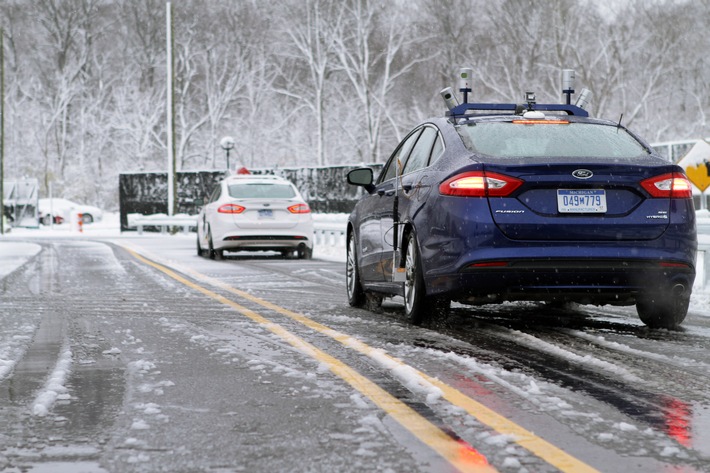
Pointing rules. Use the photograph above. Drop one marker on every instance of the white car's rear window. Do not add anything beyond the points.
(258, 190)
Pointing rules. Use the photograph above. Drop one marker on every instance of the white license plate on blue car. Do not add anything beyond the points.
(581, 201)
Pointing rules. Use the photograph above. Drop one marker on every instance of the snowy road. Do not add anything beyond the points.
(135, 355)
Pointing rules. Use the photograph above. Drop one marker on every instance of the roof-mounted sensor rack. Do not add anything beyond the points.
(460, 110)
(466, 109)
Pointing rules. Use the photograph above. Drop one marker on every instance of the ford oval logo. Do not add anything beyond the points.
(582, 173)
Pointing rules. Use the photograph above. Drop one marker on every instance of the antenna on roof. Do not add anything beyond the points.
(584, 99)
(465, 77)
(458, 109)
(568, 77)
(449, 98)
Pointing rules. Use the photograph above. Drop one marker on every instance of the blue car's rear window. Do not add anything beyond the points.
(583, 140)
(261, 191)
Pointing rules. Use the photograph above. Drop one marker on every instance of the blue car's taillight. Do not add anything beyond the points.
(672, 185)
(480, 184)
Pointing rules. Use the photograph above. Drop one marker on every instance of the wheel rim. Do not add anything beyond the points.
(350, 267)
(410, 282)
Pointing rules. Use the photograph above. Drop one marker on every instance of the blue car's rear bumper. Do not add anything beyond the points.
(465, 255)
(612, 281)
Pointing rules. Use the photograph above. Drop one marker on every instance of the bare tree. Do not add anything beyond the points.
(143, 25)
(310, 49)
(371, 52)
(319, 81)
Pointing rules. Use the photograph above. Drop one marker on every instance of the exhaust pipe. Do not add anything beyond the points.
(678, 290)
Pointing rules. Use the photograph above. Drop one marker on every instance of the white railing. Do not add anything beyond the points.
(702, 266)
(702, 263)
(329, 234)
(327, 230)
(186, 222)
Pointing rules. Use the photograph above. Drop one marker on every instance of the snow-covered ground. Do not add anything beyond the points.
(15, 253)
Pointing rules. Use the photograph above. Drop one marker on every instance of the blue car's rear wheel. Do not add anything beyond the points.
(418, 307)
(663, 308)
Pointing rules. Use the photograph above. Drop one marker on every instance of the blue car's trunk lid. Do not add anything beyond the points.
(580, 202)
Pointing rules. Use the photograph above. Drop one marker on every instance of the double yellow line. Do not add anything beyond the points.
(458, 453)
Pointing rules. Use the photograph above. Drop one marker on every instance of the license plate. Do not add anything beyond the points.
(266, 213)
(581, 201)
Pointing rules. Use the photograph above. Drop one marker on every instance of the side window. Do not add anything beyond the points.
(390, 171)
(419, 157)
(215, 193)
(437, 150)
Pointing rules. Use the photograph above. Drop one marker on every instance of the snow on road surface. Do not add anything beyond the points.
(13, 254)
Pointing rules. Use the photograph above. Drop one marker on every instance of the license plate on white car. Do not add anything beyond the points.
(266, 213)
(581, 201)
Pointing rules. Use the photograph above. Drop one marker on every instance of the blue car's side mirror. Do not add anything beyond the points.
(362, 177)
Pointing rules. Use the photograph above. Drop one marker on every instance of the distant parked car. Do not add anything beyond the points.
(60, 210)
(255, 213)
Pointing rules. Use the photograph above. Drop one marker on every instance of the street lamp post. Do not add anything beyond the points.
(227, 143)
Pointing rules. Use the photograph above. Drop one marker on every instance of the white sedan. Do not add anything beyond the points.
(255, 213)
(61, 210)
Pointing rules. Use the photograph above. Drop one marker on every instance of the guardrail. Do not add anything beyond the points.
(702, 262)
(702, 267)
(326, 232)
(329, 234)
(186, 222)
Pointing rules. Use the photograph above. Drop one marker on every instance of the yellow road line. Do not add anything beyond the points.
(526, 439)
(459, 454)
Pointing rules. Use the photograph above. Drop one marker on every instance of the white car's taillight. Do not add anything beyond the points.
(231, 209)
(300, 209)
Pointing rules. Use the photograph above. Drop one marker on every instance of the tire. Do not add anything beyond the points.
(214, 254)
(87, 218)
(200, 250)
(663, 309)
(305, 253)
(418, 307)
(356, 295)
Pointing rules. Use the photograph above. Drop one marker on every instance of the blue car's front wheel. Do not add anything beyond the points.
(356, 295)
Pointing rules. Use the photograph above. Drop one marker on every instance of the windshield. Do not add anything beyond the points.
(561, 139)
(258, 190)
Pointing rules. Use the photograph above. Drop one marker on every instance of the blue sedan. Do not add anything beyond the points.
(499, 202)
